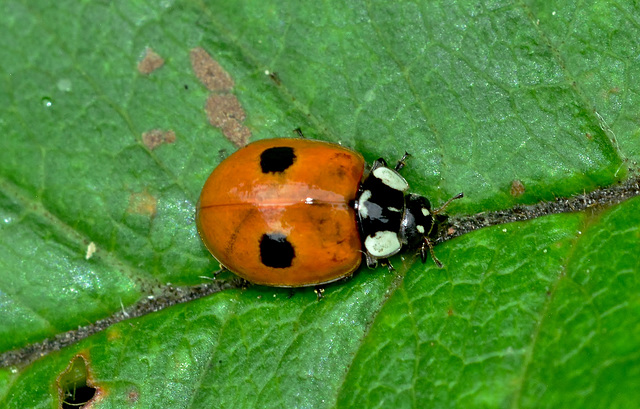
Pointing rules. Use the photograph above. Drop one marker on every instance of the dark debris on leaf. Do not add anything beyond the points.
(170, 295)
(595, 201)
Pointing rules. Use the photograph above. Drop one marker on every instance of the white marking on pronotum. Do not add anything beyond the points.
(394, 209)
(391, 178)
(382, 244)
(420, 228)
(362, 209)
(425, 211)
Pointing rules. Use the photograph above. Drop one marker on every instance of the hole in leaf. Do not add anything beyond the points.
(75, 387)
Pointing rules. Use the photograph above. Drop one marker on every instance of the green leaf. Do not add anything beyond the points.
(486, 97)
(544, 314)
(521, 323)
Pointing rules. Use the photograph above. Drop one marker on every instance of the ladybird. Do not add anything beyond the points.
(297, 212)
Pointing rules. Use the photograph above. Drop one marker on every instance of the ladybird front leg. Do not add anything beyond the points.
(401, 163)
(426, 243)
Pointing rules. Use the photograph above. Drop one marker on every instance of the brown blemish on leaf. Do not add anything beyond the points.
(236, 133)
(76, 384)
(222, 108)
(226, 113)
(133, 395)
(142, 203)
(150, 62)
(209, 72)
(517, 188)
(156, 137)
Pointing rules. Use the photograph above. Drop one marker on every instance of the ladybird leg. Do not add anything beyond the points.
(372, 262)
(378, 163)
(390, 266)
(401, 163)
(215, 273)
(444, 206)
(423, 252)
(299, 133)
(319, 290)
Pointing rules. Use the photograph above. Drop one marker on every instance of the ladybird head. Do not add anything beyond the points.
(418, 223)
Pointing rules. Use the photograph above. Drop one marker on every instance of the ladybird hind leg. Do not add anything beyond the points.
(299, 133)
(221, 270)
(319, 290)
(215, 274)
(244, 284)
(241, 282)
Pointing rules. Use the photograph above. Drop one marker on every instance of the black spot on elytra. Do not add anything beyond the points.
(276, 251)
(277, 159)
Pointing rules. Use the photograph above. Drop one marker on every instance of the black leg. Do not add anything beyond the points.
(244, 284)
(215, 273)
(401, 163)
(378, 164)
(387, 262)
(423, 252)
(319, 290)
(371, 261)
(299, 133)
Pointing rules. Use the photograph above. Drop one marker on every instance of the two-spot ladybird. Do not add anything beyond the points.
(297, 212)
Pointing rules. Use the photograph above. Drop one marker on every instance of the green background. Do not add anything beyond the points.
(544, 313)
